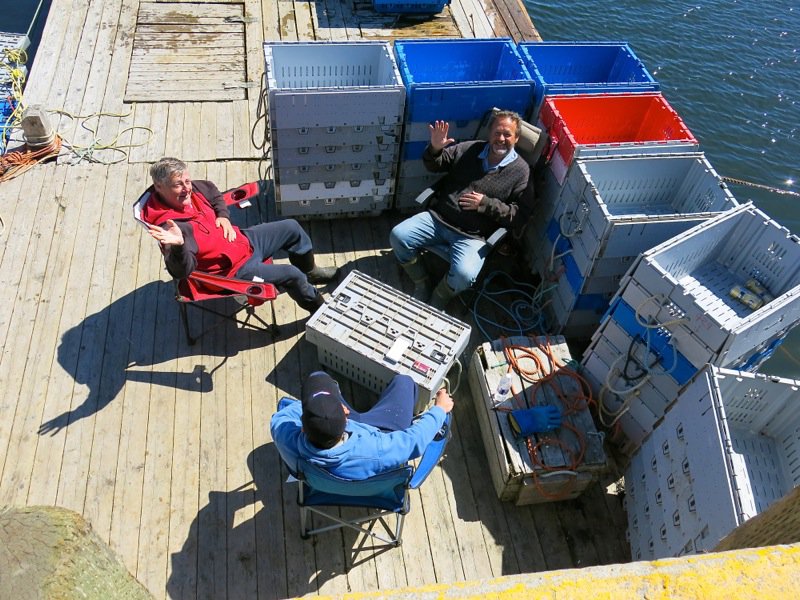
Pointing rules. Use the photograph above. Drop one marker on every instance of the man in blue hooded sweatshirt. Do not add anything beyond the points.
(325, 431)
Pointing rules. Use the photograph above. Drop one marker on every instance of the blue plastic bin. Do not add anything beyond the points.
(584, 68)
(420, 7)
(461, 79)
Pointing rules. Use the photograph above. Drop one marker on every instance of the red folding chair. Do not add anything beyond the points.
(200, 287)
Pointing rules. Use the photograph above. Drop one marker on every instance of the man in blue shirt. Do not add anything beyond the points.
(325, 431)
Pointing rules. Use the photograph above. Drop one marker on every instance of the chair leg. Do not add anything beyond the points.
(185, 319)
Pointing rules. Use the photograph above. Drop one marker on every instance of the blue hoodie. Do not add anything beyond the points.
(367, 450)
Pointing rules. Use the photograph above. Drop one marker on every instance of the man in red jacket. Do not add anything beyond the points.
(191, 222)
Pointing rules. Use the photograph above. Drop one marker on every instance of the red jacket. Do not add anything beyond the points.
(204, 245)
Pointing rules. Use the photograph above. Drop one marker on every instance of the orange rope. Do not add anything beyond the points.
(549, 375)
(17, 162)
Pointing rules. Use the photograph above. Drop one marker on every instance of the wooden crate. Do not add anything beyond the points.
(556, 475)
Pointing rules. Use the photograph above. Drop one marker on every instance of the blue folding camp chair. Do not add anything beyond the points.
(385, 494)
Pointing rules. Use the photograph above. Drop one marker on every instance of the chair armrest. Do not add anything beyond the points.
(251, 289)
(285, 401)
(432, 455)
(496, 237)
(424, 196)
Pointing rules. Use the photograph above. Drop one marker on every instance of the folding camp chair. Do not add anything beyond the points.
(200, 287)
(384, 495)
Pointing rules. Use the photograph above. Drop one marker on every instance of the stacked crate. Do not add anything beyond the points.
(548, 466)
(370, 332)
(454, 80)
(675, 312)
(335, 121)
(588, 232)
(588, 126)
(560, 68)
(418, 7)
(725, 451)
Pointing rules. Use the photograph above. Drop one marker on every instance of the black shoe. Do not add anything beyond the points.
(319, 275)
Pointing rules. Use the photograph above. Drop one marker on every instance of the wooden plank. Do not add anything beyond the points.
(304, 20)
(68, 94)
(67, 285)
(62, 18)
(474, 483)
(191, 12)
(19, 438)
(146, 30)
(174, 129)
(206, 147)
(239, 129)
(112, 362)
(158, 125)
(287, 21)
(186, 55)
(223, 138)
(19, 221)
(135, 397)
(192, 126)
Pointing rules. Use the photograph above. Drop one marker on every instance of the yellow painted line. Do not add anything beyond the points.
(766, 573)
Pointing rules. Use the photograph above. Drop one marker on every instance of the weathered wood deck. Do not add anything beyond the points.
(164, 447)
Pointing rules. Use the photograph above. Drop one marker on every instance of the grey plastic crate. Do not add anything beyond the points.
(725, 451)
(332, 84)
(366, 318)
(332, 208)
(692, 275)
(334, 154)
(408, 188)
(629, 205)
(336, 172)
(351, 135)
(321, 190)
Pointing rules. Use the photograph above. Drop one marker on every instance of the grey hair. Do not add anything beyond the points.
(162, 170)
(507, 114)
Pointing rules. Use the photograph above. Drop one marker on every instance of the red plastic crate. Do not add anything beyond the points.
(612, 120)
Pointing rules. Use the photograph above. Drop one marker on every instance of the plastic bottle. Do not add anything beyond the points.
(746, 297)
(503, 390)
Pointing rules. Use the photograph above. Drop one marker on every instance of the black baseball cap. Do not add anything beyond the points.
(323, 414)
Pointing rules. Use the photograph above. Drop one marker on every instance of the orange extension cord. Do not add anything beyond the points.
(548, 375)
(17, 162)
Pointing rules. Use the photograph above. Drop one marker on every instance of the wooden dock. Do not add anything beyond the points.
(164, 447)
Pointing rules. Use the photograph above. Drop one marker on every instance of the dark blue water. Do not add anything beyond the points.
(731, 70)
(17, 16)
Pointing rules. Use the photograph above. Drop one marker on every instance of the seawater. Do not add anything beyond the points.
(20, 16)
(730, 69)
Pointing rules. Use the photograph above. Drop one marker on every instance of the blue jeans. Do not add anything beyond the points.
(467, 255)
(266, 239)
(394, 409)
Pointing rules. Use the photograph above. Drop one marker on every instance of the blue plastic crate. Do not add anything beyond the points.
(584, 68)
(423, 7)
(462, 79)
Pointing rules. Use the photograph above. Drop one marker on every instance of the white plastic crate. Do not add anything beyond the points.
(408, 188)
(341, 172)
(628, 205)
(332, 84)
(634, 419)
(369, 332)
(515, 476)
(320, 190)
(725, 451)
(333, 208)
(688, 282)
(333, 154)
(351, 135)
